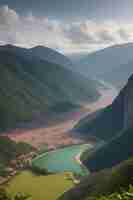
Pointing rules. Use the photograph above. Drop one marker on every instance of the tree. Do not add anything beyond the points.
(20, 196)
(5, 196)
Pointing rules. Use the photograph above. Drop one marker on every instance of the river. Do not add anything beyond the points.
(64, 159)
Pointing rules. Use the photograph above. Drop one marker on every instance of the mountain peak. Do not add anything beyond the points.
(7, 46)
(40, 47)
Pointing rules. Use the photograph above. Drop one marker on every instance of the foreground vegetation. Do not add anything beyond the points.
(102, 183)
(5, 196)
(123, 195)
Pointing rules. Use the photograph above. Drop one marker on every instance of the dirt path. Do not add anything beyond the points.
(57, 134)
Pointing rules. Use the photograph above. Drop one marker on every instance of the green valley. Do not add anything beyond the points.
(65, 134)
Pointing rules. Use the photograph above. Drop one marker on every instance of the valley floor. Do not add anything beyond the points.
(56, 132)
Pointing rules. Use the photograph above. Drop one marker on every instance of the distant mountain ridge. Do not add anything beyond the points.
(51, 55)
(55, 57)
(29, 85)
(118, 77)
(109, 64)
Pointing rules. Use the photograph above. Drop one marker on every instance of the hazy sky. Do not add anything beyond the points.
(66, 25)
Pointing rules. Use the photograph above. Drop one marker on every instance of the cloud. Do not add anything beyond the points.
(8, 16)
(125, 35)
(105, 36)
(90, 35)
(30, 30)
(78, 35)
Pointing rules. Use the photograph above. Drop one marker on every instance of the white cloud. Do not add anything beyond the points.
(8, 16)
(78, 36)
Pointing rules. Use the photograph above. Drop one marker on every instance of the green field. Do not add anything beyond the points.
(40, 187)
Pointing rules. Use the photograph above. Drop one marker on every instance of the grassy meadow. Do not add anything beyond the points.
(40, 187)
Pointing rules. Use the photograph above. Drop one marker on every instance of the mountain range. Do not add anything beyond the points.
(38, 81)
(113, 64)
(30, 85)
(52, 56)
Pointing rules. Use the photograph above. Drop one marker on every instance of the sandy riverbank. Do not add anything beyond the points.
(57, 133)
(77, 158)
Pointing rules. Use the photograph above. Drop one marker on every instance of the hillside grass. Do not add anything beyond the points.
(40, 187)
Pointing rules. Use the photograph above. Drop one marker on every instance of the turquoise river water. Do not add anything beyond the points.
(63, 159)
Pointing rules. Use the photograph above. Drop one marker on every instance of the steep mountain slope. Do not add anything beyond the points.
(113, 118)
(102, 183)
(30, 85)
(108, 63)
(52, 56)
(106, 122)
(115, 124)
(118, 149)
